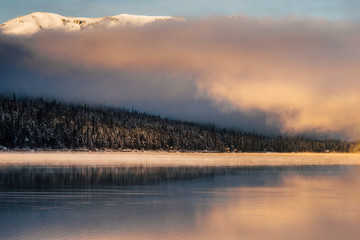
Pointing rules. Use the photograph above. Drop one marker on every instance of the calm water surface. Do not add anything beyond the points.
(314, 202)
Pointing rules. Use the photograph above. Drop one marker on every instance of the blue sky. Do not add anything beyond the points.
(328, 9)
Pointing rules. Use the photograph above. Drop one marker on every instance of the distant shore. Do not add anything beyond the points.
(149, 158)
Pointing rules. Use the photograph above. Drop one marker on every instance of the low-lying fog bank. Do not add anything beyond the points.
(176, 159)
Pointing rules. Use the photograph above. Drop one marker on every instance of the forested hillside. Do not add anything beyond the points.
(48, 125)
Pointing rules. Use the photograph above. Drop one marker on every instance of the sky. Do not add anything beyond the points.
(327, 9)
(278, 67)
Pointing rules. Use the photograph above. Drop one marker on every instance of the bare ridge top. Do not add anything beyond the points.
(34, 22)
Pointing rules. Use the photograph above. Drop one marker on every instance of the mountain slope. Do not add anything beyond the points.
(34, 22)
(40, 124)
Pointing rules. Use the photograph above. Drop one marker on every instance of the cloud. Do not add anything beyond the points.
(290, 75)
(27, 73)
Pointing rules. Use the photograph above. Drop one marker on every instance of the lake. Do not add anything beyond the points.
(179, 196)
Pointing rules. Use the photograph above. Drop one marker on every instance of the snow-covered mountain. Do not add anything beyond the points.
(34, 22)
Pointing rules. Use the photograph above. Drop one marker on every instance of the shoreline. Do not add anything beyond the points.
(157, 158)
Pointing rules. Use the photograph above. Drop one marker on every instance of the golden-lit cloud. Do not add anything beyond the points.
(302, 74)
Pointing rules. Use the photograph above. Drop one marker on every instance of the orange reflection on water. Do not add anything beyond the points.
(302, 208)
(319, 206)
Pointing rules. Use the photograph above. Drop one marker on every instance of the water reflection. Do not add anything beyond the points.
(88, 176)
(301, 208)
(238, 203)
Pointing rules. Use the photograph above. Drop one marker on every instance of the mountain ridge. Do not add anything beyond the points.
(32, 23)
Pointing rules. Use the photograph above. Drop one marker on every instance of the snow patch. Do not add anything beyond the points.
(30, 24)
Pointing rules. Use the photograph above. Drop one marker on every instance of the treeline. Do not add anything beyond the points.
(38, 124)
